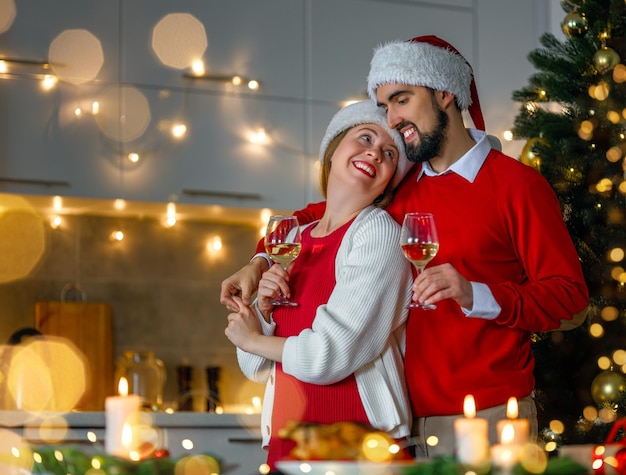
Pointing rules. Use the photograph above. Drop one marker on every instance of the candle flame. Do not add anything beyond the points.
(122, 387)
(469, 406)
(511, 408)
(508, 434)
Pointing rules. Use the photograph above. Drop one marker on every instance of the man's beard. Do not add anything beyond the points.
(429, 145)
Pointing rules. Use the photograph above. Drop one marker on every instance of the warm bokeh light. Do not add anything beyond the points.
(533, 458)
(604, 362)
(596, 330)
(614, 154)
(7, 14)
(617, 272)
(187, 444)
(76, 56)
(124, 113)
(215, 244)
(22, 238)
(56, 221)
(178, 40)
(197, 464)
(258, 136)
(15, 455)
(616, 254)
(52, 429)
(119, 204)
(198, 67)
(375, 447)
(619, 356)
(432, 440)
(49, 81)
(179, 130)
(557, 426)
(590, 413)
(46, 374)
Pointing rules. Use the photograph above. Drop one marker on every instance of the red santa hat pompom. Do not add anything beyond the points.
(426, 61)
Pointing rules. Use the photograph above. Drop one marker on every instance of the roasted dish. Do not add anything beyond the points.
(341, 441)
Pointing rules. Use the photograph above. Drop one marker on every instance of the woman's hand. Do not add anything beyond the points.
(243, 327)
(273, 282)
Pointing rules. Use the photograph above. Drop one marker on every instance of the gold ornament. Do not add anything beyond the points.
(608, 387)
(574, 24)
(529, 156)
(605, 59)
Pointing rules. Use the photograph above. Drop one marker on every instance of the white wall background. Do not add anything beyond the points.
(309, 55)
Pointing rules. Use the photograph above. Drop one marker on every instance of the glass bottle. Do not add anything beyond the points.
(213, 376)
(145, 375)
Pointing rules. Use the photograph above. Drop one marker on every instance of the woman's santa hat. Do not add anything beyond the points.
(426, 61)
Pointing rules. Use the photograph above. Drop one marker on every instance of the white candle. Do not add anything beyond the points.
(472, 442)
(117, 411)
(521, 426)
(507, 453)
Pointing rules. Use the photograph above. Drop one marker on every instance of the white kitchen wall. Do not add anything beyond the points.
(309, 56)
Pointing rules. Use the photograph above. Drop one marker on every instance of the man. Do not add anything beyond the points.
(506, 265)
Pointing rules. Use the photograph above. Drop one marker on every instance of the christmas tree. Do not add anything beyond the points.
(573, 116)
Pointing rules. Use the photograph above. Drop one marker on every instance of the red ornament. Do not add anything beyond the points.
(161, 453)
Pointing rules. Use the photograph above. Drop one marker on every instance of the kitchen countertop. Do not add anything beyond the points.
(161, 419)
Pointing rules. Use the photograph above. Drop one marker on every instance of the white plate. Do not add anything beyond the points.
(330, 467)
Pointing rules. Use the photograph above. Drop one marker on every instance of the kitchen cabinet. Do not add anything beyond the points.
(235, 438)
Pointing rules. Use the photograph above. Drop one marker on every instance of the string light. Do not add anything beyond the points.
(49, 81)
(215, 244)
(258, 137)
(179, 130)
(56, 221)
(198, 67)
(119, 204)
(170, 220)
(117, 235)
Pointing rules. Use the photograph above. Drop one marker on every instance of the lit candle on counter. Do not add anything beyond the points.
(472, 443)
(117, 411)
(521, 426)
(506, 454)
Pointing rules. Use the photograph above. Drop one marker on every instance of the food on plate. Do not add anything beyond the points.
(341, 441)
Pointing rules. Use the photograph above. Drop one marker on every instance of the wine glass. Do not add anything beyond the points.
(283, 243)
(419, 243)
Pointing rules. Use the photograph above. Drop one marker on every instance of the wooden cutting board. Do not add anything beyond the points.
(88, 325)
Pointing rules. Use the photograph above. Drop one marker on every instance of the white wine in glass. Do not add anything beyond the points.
(420, 243)
(283, 243)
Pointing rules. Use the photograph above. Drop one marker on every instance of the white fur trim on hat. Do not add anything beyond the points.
(365, 112)
(421, 64)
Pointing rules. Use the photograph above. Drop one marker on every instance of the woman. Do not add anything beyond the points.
(338, 355)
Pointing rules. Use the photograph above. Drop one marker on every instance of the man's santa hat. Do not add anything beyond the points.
(426, 61)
